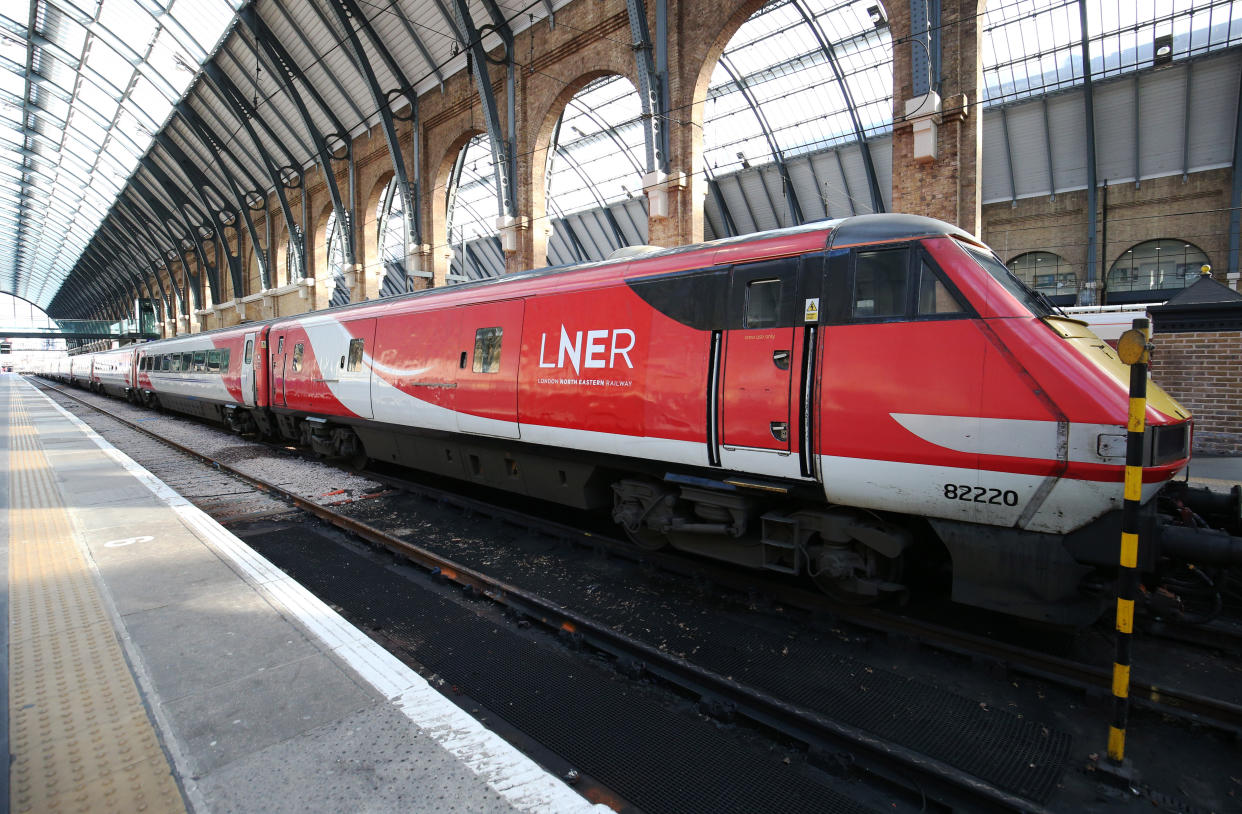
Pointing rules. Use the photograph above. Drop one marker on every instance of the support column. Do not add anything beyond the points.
(937, 149)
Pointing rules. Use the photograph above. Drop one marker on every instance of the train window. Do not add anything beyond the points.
(297, 357)
(934, 296)
(224, 359)
(199, 361)
(174, 362)
(164, 361)
(763, 303)
(355, 355)
(249, 357)
(280, 346)
(487, 350)
(187, 362)
(880, 283)
(213, 361)
(1037, 305)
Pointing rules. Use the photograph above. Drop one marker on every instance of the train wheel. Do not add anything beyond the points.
(856, 574)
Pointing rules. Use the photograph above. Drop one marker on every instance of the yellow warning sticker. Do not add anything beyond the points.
(811, 313)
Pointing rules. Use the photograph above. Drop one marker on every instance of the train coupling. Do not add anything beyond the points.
(1202, 546)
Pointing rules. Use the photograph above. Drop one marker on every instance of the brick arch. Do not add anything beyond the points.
(537, 164)
(441, 171)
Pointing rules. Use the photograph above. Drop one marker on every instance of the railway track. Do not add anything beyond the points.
(875, 756)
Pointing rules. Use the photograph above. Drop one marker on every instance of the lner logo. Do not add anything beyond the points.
(600, 349)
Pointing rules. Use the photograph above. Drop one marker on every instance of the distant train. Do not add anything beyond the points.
(837, 399)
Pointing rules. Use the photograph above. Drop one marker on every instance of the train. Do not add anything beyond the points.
(854, 401)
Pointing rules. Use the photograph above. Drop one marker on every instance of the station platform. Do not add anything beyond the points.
(154, 663)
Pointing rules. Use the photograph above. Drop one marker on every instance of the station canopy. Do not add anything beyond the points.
(99, 104)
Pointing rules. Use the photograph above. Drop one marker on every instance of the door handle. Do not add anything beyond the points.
(780, 358)
(780, 430)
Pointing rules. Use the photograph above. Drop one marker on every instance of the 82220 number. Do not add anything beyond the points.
(980, 494)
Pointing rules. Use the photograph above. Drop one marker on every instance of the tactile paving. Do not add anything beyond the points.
(81, 739)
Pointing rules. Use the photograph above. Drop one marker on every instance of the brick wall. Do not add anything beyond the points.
(1204, 372)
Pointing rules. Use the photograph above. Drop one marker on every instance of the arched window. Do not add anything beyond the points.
(390, 219)
(1048, 274)
(472, 233)
(1154, 270)
(595, 173)
(335, 241)
(801, 79)
(294, 268)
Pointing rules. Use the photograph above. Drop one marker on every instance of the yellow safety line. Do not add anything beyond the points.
(79, 733)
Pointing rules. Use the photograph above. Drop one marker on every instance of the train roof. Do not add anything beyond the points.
(851, 231)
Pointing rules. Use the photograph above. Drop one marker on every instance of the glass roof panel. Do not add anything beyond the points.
(1033, 47)
(107, 114)
(127, 20)
(774, 93)
(599, 156)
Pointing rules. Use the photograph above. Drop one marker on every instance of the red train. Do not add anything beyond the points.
(832, 399)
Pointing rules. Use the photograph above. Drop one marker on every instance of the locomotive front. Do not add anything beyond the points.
(1013, 446)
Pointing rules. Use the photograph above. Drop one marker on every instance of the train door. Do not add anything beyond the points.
(247, 369)
(278, 368)
(490, 341)
(353, 386)
(757, 373)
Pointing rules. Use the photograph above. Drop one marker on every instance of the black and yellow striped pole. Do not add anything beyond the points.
(1133, 350)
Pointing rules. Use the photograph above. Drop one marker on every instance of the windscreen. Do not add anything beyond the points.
(1037, 304)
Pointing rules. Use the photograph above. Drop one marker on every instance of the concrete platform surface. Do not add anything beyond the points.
(264, 698)
(1217, 471)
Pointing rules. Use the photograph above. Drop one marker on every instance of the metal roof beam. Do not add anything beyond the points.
(201, 186)
(873, 183)
(503, 153)
(229, 93)
(650, 88)
(345, 11)
(1090, 294)
(291, 75)
(791, 197)
(243, 206)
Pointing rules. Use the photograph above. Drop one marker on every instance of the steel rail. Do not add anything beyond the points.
(888, 762)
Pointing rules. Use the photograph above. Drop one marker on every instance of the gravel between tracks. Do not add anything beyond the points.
(312, 480)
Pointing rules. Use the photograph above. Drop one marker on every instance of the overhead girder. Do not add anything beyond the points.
(1235, 192)
(245, 114)
(122, 265)
(105, 287)
(201, 186)
(134, 243)
(600, 203)
(860, 133)
(121, 288)
(163, 218)
(504, 165)
(241, 204)
(333, 79)
(713, 185)
(345, 11)
(194, 231)
(137, 231)
(650, 87)
(791, 196)
(1089, 293)
(292, 75)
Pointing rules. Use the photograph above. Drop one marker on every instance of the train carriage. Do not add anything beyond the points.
(829, 399)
